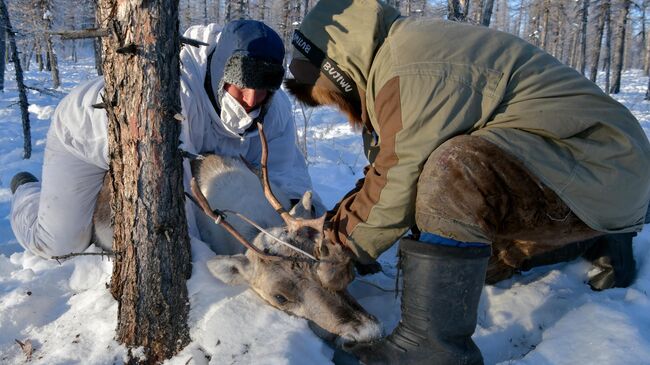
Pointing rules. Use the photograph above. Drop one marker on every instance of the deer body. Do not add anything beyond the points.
(314, 290)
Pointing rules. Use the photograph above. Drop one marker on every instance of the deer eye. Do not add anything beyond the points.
(280, 299)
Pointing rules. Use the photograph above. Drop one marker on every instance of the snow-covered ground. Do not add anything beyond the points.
(545, 316)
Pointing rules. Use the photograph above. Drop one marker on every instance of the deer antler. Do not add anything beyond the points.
(293, 224)
(203, 203)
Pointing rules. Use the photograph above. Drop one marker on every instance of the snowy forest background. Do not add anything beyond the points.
(610, 34)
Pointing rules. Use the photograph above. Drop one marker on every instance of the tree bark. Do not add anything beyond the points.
(53, 62)
(644, 38)
(142, 73)
(22, 94)
(620, 48)
(457, 10)
(583, 43)
(39, 56)
(595, 54)
(546, 11)
(607, 62)
(3, 51)
(486, 14)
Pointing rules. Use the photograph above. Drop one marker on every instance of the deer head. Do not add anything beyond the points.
(310, 286)
(293, 284)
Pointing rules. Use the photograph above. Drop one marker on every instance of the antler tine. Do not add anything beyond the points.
(292, 223)
(288, 219)
(203, 203)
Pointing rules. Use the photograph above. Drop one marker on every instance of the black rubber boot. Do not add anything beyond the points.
(613, 253)
(21, 178)
(442, 288)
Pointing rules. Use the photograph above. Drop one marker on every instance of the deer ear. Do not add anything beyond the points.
(303, 208)
(232, 270)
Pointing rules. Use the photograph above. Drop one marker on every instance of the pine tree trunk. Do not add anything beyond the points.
(545, 26)
(486, 15)
(607, 62)
(475, 10)
(39, 57)
(54, 64)
(150, 228)
(598, 40)
(520, 19)
(205, 12)
(644, 38)
(620, 48)
(27, 58)
(574, 48)
(3, 51)
(228, 11)
(457, 10)
(261, 7)
(97, 46)
(22, 94)
(583, 42)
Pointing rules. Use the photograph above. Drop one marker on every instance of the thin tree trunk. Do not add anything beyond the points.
(22, 94)
(261, 4)
(644, 40)
(39, 56)
(607, 62)
(595, 54)
(647, 92)
(97, 45)
(520, 18)
(54, 64)
(574, 48)
(3, 51)
(27, 58)
(545, 25)
(556, 25)
(228, 11)
(457, 10)
(583, 43)
(486, 15)
(620, 48)
(534, 14)
(475, 10)
(205, 12)
(150, 228)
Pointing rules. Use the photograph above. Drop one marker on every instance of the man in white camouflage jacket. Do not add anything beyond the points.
(225, 87)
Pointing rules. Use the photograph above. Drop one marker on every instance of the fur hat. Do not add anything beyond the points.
(249, 72)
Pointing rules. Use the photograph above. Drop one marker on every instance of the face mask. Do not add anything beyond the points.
(234, 117)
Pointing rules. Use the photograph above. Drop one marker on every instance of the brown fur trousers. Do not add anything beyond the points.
(472, 191)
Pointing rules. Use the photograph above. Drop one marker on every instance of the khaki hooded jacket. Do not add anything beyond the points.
(425, 81)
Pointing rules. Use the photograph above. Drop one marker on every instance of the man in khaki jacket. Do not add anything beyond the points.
(482, 141)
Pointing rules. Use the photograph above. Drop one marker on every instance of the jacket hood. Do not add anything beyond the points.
(349, 32)
(248, 54)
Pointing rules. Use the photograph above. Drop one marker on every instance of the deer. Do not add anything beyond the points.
(283, 256)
